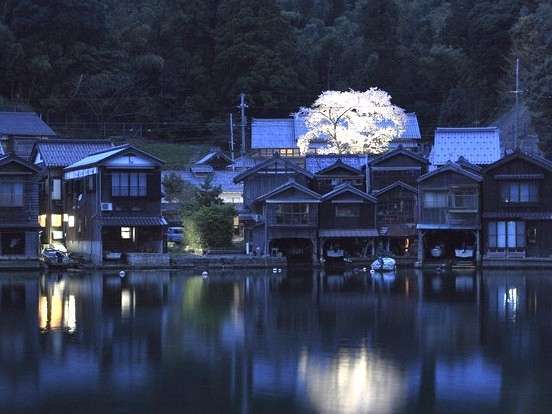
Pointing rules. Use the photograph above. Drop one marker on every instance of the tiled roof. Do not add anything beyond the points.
(133, 221)
(277, 133)
(344, 188)
(411, 127)
(224, 179)
(477, 145)
(315, 163)
(286, 186)
(451, 166)
(105, 154)
(23, 123)
(275, 161)
(244, 162)
(284, 132)
(61, 153)
(212, 156)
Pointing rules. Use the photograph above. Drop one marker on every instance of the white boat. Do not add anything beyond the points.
(437, 251)
(463, 253)
(335, 253)
(384, 264)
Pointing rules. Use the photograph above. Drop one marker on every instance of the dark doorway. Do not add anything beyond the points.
(13, 243)
(297, 251)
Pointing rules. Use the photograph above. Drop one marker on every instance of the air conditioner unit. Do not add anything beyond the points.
(107, 207)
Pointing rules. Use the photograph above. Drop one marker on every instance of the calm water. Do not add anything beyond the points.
(263, 342)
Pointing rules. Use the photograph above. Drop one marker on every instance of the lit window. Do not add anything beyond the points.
(57, 235)
(71, 221)
(42, 220)
(128, 233)
(65, 218)
(56, 220)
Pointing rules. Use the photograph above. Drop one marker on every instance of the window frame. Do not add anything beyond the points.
(129, 184)
(14, 197)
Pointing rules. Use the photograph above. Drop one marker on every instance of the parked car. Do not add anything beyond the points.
(175, 234)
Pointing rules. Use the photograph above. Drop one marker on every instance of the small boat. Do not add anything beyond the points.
(384, 264)
(437, 251)
(465, 253)
(335, 253)
(55, 257)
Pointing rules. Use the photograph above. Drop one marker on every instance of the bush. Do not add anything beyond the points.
(209, 227)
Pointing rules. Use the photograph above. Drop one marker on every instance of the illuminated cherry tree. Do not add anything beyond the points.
(351, 122)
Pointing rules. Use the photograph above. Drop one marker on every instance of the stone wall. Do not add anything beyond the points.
(153, 260)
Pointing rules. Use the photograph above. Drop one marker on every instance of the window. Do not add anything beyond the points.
(435, 199)
(128, 184)
(466, 199)
(11, 194)
(56, 189)
(519, 192)
(347, 211)
(128, 233)
(504, 235)
(56, 220)
(396, 210)
(292, 214)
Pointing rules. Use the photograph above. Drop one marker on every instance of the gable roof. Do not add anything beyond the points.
(339, 164)
(64, 152)
(395, 185)
(213, 155)
(451, 166)
(531, 158)
(275, 159)
(477, 145)
(222, 178)
(277, 133)
(411, 127)
(398, 151)
(101, 156)
(289, 185)
(7, 159)
(348, 188)
(23, 124)
(317, 162)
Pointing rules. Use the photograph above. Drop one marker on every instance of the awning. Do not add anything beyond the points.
(397, 230)
(445, 227)
(132, 221)
(336, 233)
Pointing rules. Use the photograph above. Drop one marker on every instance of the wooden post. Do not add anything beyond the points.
(420, 247)
(477, 248)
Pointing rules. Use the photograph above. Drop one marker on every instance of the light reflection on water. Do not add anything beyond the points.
(298, 341)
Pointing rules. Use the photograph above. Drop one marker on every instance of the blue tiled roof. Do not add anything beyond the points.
(224, 179)
(64, 152)
(284, 132)
(276, 133)
(23, 124)
(315, 163)
(477, 145)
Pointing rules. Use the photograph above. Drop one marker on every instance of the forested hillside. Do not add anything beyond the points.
(186, 61)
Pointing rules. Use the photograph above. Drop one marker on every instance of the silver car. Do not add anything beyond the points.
(175, 234)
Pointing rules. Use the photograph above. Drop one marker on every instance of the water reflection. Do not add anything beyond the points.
(297, 341)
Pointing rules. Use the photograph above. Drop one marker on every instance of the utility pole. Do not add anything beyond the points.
(242, 107)
(232, 140)
(517, 92)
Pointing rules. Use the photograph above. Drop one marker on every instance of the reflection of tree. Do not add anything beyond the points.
(206, 304)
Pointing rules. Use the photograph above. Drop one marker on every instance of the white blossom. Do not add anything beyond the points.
(351, 122)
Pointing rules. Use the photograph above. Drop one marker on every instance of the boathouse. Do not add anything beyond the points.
(19, 229)
(449, 216)
(113, 202)
(52, 156)
(517, 209)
